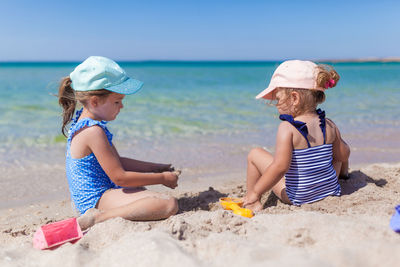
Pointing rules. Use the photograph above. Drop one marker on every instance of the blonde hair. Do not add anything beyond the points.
(68, 98)
(327, 77)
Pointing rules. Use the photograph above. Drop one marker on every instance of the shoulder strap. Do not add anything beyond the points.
(87, 122)
(322, 122)
(299, 125)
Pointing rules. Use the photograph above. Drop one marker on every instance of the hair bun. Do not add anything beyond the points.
(327, 76)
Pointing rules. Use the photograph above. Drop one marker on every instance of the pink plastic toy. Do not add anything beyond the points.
(55, 234)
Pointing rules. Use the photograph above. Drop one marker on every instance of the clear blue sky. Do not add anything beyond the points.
(198, 30)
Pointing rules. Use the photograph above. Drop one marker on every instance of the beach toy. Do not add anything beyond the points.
(395, 220)
(226, 202)
(55, 234)
(235, 204)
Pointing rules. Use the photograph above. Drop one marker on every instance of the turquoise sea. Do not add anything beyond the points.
(198, 115)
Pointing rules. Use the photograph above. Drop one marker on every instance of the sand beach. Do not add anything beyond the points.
(351, 230)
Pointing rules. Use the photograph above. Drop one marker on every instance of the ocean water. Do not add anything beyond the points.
(201, 116)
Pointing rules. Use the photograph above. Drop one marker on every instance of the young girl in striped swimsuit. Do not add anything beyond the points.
(310, 154)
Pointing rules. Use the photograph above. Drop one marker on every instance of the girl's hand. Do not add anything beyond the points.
(170, 179)
(251, 198)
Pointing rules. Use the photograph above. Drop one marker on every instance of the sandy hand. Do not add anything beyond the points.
(252, 201)
(171, 179)
(251, 197)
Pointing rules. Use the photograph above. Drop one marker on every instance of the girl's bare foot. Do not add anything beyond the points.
(255, 206)
(88, 219)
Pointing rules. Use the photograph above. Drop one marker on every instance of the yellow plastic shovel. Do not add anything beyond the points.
(235, 204)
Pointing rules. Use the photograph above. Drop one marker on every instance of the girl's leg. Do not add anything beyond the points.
(258, 161)
(280, 191)
(131, 204)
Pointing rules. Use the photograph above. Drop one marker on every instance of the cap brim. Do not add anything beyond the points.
(128, 87)
(266, 94)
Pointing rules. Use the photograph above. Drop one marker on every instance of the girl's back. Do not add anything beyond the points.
(311, 175)
(315, 135)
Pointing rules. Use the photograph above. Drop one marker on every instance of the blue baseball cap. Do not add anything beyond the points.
(97, 73)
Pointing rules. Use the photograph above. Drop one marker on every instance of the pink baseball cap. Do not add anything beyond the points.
(292, 74)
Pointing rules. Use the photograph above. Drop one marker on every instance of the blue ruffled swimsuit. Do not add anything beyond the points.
(86, 178)
(311, 176)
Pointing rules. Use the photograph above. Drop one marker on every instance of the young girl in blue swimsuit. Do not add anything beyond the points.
(310, 153)
(103, 184)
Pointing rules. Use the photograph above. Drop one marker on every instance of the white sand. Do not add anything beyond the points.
(351, 230)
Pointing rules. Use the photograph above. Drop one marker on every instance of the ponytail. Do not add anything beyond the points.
(327, 76)
(67, 100)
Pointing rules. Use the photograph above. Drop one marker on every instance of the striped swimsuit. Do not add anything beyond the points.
(311, 176)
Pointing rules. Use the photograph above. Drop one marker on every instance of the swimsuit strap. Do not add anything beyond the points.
(86, 122)
(299, 125)
(322, 122)
(78, 113)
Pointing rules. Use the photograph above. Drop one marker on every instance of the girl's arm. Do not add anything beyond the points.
(109, 160)
(141, 166)
(340, 149)
(280, 164)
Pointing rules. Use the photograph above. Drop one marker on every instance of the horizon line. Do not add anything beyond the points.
(368, 59)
